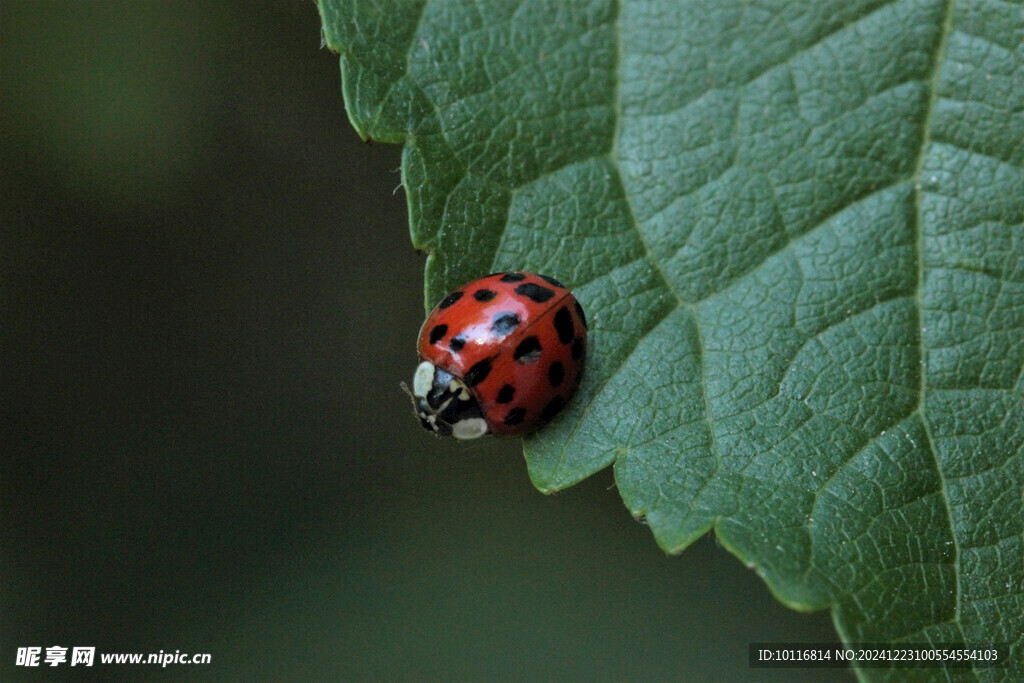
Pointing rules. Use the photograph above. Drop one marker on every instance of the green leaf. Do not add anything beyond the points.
(798, 231)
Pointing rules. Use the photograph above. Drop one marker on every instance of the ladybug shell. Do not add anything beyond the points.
(517, 340)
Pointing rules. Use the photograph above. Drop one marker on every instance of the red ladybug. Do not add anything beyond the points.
(500, 355)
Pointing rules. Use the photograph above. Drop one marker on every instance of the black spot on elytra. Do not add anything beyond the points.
(484, 295)
(528, 350)
(504, 324)
(577, 348)
(551, 281)
(513, 277)
(534, 292)
(553, 407)
(506, 394)
(450, 299)
(457, 343)
(580, 313)
(478, 373)
(556, 373)
(515, 416)
(563, 325)
(437, 333)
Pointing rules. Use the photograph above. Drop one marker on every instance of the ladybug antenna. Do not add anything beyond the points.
(412, 397)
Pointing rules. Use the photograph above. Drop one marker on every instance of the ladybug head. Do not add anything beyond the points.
(445, 405)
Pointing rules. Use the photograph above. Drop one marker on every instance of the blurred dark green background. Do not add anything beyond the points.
(208, 301)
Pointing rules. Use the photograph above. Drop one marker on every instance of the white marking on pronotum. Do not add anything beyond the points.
(459, 389)
(469, 429)
(423, 379)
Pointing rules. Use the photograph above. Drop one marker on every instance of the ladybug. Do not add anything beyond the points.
(500, 355)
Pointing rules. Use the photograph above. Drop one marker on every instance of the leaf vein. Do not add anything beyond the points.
(940, 48)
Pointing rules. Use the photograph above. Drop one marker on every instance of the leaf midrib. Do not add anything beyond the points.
(926, 128)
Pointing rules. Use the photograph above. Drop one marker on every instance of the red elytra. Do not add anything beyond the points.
(500, 355)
